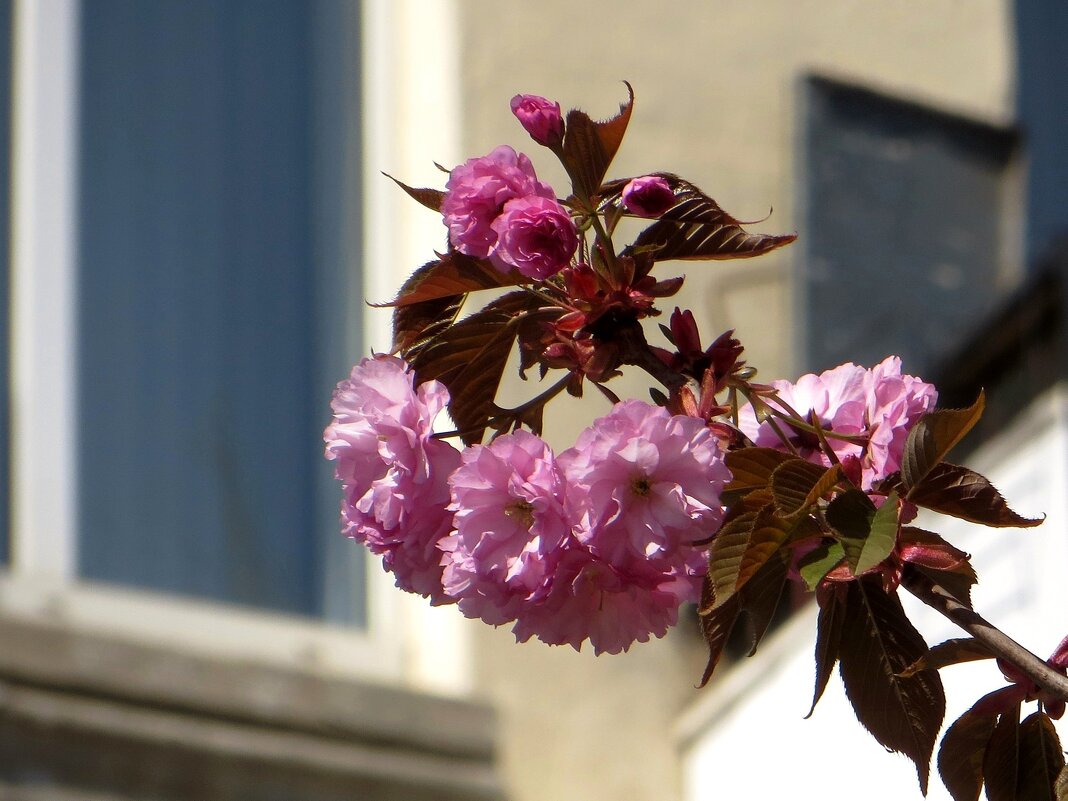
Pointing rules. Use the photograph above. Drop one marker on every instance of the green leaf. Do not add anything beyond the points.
(932, 438)
(877, 643)
(1041, 759)
(957, 491)
(819, 562)
(828, 638)
(867, 534)
(797, 484)
(469, 358)
(725, 555)
(950, 652)
(589, 146)
(960, 757)
(697, 228)
(1001, 762)
(431, 198)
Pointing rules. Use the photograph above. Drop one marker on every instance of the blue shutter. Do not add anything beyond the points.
(902, 221)
(200, 419)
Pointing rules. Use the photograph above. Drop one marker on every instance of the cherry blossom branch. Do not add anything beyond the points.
(635, 351)
(999, 643)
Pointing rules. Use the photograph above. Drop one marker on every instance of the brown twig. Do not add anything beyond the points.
(1002, 645)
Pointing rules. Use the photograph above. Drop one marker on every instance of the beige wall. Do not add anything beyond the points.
(717, 94)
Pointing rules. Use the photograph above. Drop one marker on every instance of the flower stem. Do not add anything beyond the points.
(1002, 645)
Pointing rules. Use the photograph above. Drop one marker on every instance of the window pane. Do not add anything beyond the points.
(902, 243)
(199, 347)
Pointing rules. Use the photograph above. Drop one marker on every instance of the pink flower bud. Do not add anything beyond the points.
(648, 196)
(540, 118)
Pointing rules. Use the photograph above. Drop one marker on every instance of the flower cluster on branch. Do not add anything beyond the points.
(720, 492)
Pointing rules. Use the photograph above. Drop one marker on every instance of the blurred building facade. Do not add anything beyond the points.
(195, 216)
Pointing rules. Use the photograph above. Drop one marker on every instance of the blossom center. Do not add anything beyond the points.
(641, 486)
(521, 512)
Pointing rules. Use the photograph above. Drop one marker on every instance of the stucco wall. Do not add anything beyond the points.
(717, 101)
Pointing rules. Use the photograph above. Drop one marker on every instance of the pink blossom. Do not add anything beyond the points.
(511, 527)
(875, 408)
(648, 196)
(653, 483)
(592, 600)
(394, 475)
(535, 235)
(540, 118)
(476, 193)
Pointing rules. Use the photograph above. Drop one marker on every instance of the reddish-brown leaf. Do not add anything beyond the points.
(960, 757)
(950, 652)
(760, 597)
(751, 468)
(469, 358)
(798, 484)
(877, 643)
(697, 228)
(453, 274)
(716, 626)
(590, 146)
(742, 547)
(431, 198)
(1001, 763)
(958, 582)
(1041, 759)
(960, 492)
(932, 438)
(416, 325)
(828, 638)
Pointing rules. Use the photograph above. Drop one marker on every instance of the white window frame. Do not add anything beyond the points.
(404, 642)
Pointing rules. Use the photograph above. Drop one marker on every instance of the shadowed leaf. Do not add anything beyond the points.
(932, 438)
(828, 638)
(590, 146)
(957, 582)
(1041, 759)
(697, 228)
(797, 484)
(878, 641)
(433, 295)
(431, 198)
(716, 626)
(819, 562)
(469, 358)
(415, 326)
(957, 491)
(758, 600)
(745, 549)
(751, 468)
(1002, 759)
(950, 652)
(1060, 787)
(760, 597)
(452, 274)
(960, 757)
(867, 534)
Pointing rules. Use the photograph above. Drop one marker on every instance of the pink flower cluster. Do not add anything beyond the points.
(594, 544)
(495, 207)
(876, 407)
(392, 472)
